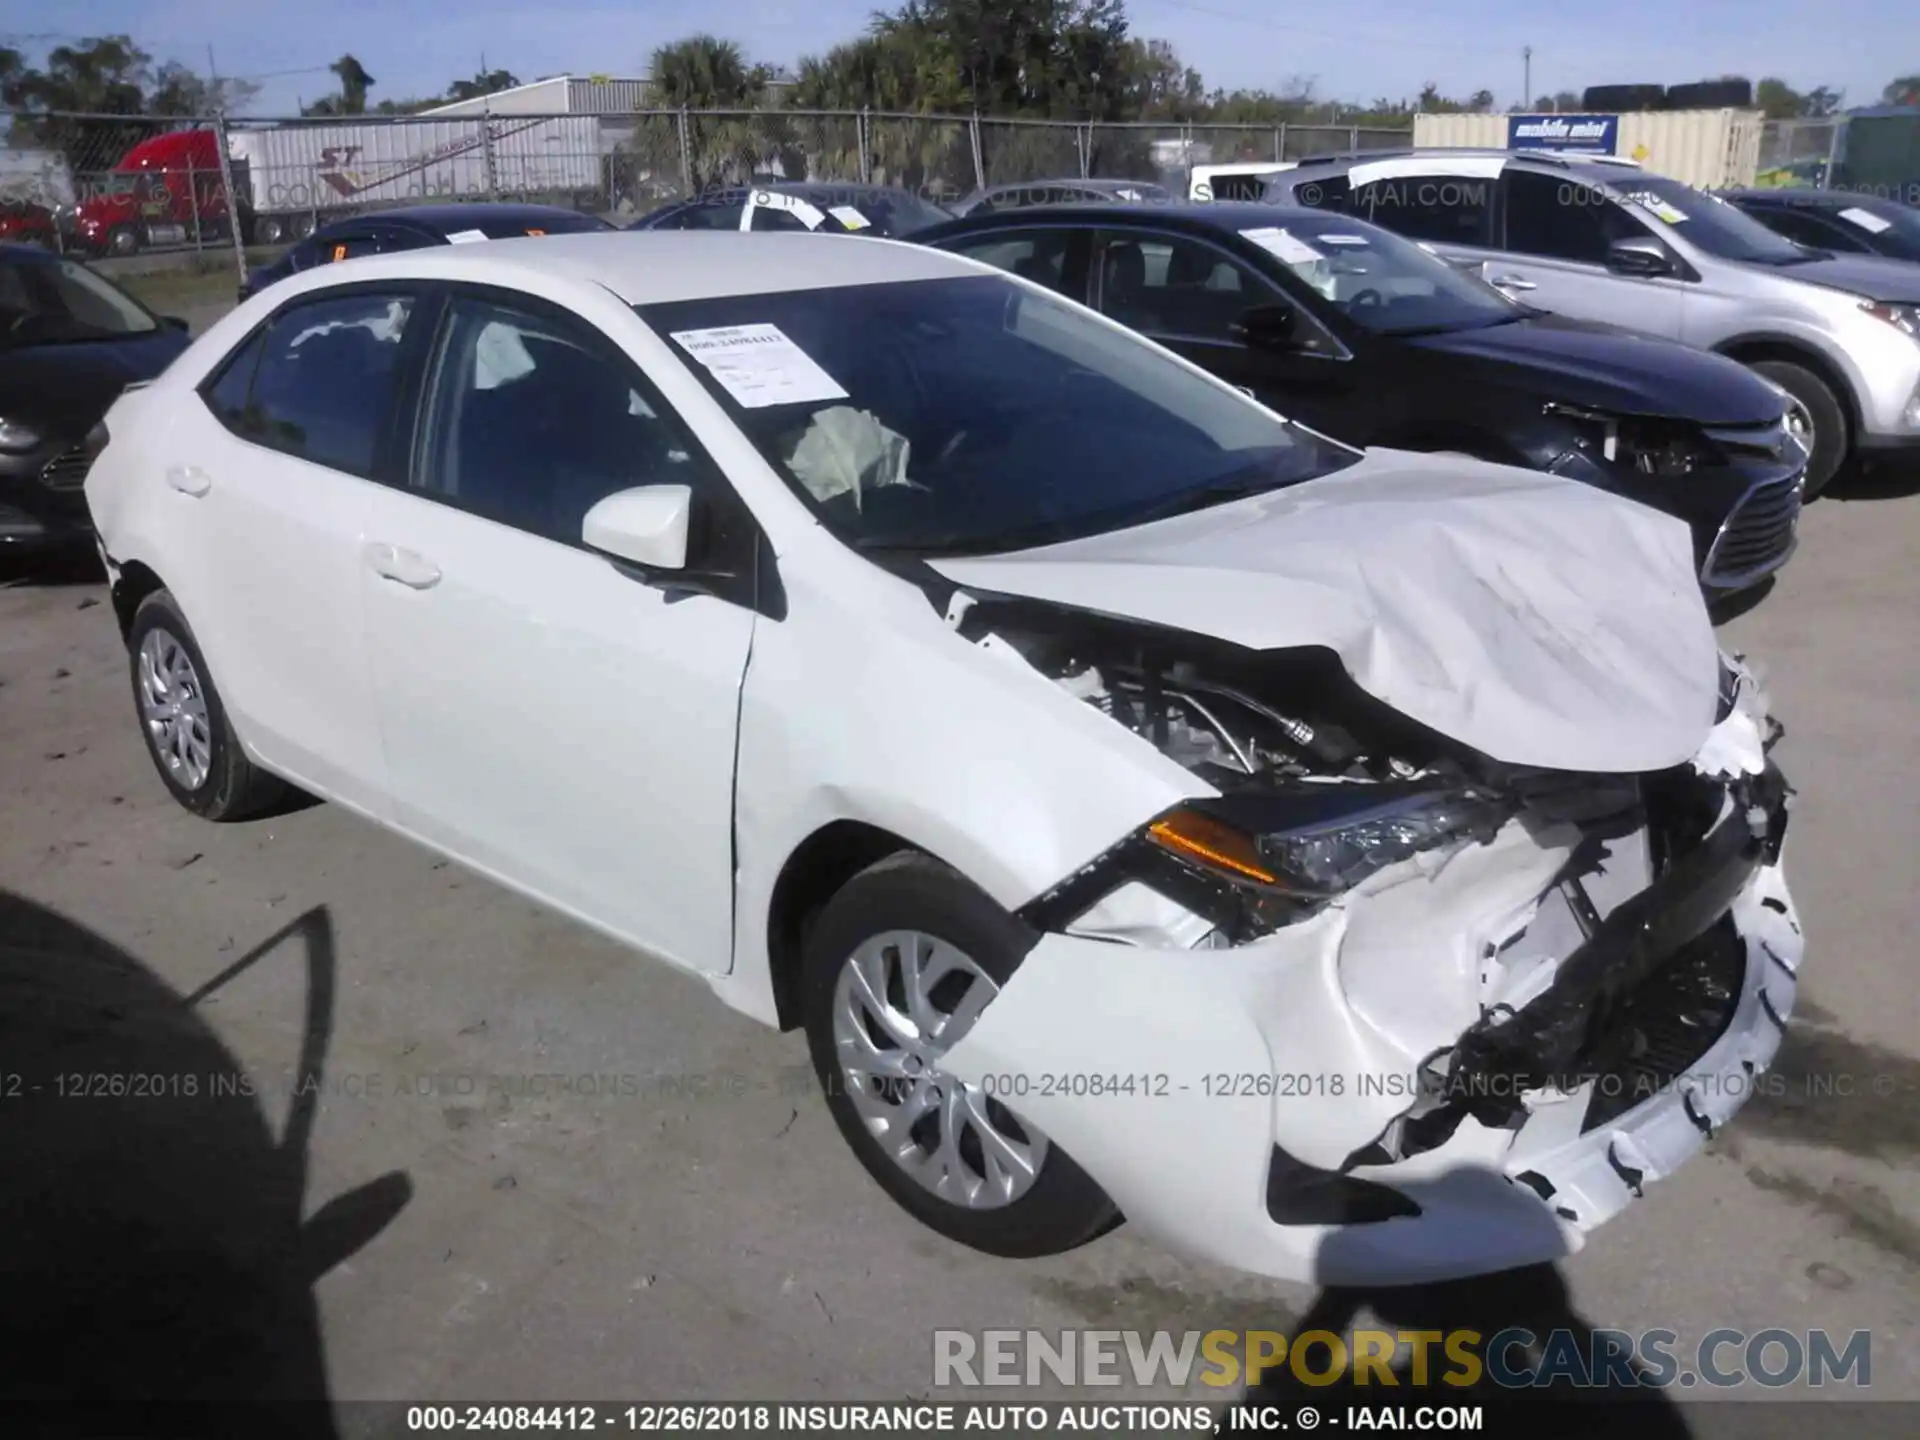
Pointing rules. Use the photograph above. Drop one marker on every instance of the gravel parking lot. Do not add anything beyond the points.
(599, 1183)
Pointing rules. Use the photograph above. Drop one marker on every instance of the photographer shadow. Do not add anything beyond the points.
(1541, 1369)
(159, 1274)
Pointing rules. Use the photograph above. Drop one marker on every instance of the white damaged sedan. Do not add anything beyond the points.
(1353, 867)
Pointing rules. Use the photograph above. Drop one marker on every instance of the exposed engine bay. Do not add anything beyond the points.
(1604, 946)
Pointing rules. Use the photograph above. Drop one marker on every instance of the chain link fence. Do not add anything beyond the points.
(1800, 152)
(119, 185)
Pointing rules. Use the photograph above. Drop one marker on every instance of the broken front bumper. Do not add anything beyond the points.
(1245, 1105)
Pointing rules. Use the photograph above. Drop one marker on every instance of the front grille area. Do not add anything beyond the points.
(67, 470)
(1663, 1027)
(1758, 535)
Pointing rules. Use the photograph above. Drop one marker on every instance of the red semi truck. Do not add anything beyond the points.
(164, 191)
(168, 190)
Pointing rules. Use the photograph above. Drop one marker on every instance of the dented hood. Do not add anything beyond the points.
(1538, 620)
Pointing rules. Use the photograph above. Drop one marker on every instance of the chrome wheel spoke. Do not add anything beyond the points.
(901, 1000)
(173, 708)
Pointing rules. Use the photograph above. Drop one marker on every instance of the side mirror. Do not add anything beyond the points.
(174, 322)
(1271, 327)
(1641, 256)
(646, 526)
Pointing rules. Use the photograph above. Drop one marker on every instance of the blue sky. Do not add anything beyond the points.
(1352, 51)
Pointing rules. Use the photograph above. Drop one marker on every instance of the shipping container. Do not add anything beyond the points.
(1710, 149)
(312, 170)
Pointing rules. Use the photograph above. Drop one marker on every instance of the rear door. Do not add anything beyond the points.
(1557, 233)
(547, 716)
(269, 477)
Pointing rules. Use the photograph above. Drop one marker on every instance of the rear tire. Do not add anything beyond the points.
(957, 1177)
(1831, 440)
(189, 737)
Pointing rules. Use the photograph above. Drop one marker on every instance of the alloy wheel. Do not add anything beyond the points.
(902, 1000)
(173, 706)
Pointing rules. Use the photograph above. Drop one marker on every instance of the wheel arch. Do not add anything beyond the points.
(136, 582)
(817, 869)
(1749, 349)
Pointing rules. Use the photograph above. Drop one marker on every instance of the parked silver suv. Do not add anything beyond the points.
(1601, 239)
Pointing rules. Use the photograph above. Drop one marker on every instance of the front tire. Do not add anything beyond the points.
(897, 968)
(1824, 413)
(189, 737)
(122, 241)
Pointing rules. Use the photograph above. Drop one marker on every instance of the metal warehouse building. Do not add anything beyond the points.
(556, 95)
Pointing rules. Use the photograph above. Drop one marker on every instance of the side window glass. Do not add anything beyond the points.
(531, 421)
(1174, 286)
(226, 397)
(1445, 209)
(1332, 193)
(1036, 255)
(1813, 230)
(325, 378)
(717, 216)
(1563, 219)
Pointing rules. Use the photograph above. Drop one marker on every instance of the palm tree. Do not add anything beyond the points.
(706, 73)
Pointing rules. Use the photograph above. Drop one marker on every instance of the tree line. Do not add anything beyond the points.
(1058, 59)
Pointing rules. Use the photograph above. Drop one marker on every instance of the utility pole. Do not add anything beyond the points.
(1526, 84)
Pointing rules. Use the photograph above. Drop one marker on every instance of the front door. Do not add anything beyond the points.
(1558, 231)
(547, 717)
(1187, 293)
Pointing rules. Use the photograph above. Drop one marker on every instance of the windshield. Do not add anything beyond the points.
(1715, 225)
(970, 415)
(1895, 228)
(1381, 282)
(49, 302)
(898, 213)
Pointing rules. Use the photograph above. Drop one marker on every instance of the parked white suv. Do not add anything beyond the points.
(1601, 239)
(1345, 867)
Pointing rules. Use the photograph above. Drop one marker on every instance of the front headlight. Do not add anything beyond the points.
(1653, 447)
(1317, 841)
(17, 437)
(1901, 317)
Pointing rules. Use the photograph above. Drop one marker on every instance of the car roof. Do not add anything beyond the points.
(1219, 215)
(1809, 196)
(1603, 169)
(478, 215)
(648, 267)
(803, 188)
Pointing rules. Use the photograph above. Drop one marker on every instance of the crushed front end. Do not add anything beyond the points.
(1384, 1010)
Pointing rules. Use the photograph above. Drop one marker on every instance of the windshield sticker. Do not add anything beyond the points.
(465, 237)
(1131, 196)
(759, 366)
(1289, 248)
(1341, 239)
(850, 217)
(1658, 208)
(1866, 220)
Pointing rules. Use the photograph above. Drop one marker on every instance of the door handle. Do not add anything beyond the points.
(405, 567)
(189, 480)
(1511, 282)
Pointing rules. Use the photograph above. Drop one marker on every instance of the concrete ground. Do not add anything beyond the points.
(684, 1221)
